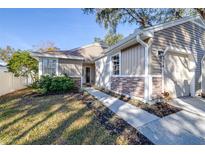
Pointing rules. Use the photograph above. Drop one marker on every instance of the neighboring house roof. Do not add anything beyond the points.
(132, 37)
(87, 53)
(2, 63)
(3, 66)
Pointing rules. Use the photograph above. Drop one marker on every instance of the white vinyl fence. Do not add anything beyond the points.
(10, 83)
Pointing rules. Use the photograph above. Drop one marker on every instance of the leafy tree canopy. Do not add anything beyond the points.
(6, 53)
(141, 17)
(22, 64)
(110, 38)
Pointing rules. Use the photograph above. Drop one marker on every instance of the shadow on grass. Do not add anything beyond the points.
(36, 107)
(56, 133)
(98, 127)
(37, 124)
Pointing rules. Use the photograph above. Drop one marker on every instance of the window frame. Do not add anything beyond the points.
(111, 59)
(43, 66)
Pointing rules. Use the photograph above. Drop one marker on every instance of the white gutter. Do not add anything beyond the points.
(147, 79)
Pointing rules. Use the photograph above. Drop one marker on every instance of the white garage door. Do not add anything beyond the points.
(178, 74)
(203, 76)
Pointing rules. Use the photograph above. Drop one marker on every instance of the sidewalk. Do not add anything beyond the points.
(180, 128)
(136, 117)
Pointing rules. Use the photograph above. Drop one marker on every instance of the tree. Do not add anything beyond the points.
(6, 53)
(22, 64)
(200, 11)
(110, 38)
(97, 39)
(45, 46)
(141, 17)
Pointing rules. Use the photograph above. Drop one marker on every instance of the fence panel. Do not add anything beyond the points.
(10, 83)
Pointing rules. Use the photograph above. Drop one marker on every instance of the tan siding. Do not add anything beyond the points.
(132, 60)
(70, 67)
(102, 67)
(186, 36)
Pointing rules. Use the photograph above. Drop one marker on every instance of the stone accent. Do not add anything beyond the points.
(156, 87)
(77, 81)
(132, 86)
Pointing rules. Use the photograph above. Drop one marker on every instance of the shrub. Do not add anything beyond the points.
(61, 84)
(57, 84)
(45, 83)
(34, 85)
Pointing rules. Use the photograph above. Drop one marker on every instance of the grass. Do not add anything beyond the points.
(26, 118)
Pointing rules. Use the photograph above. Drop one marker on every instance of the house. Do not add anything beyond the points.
(3, 66)
(77, 63)
(147, 63)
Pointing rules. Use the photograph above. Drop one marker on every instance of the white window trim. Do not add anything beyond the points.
(57, 64)
(111, 65)
(57, 73)
(40, 67)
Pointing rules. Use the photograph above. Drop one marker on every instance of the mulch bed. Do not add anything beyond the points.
(115, 126)
(160, 109)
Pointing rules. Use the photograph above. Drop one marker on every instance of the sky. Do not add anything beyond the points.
(67, 28)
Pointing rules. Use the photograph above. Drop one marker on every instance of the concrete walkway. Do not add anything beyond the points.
(136, 117)
(180, 128)
(194, 105)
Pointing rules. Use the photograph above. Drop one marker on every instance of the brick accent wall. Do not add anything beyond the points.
(77, 81)
(156, 87)
(133, 86)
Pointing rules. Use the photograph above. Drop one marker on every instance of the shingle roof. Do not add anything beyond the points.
(87, 53)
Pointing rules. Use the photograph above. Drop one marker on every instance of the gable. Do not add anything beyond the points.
(88, 53)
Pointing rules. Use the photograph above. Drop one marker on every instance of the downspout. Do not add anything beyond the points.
(147, 77)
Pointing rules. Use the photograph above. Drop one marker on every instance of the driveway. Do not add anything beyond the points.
(184, 127)
(195, 105)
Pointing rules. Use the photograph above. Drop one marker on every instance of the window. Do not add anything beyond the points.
(116, 64)
(161, 58)
(49, 66)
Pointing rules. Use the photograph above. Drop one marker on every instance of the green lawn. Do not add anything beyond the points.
(56, 119)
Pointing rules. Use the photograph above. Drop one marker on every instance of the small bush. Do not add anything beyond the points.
(57, 84)
(34, 85)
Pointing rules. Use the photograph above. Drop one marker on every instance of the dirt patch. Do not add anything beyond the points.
(160, 109)
(114, 124)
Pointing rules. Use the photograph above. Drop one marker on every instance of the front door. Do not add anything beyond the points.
(87, 74)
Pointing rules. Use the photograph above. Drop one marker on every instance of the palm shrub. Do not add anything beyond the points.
(56, 84)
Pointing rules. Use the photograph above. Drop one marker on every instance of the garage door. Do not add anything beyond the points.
(203, 75)
(178, 74)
